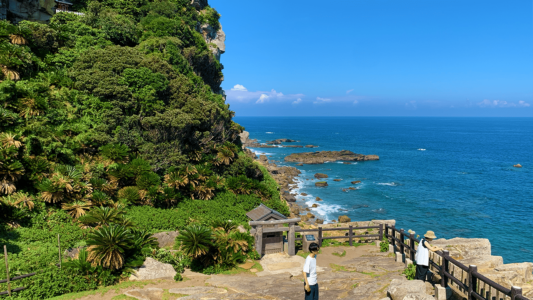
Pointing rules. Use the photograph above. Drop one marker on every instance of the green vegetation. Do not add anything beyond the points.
(410, 271)
(340, 254)
(112, 128)
(384, 245)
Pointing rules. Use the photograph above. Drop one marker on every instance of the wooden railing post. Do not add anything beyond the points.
(351, 235)
(402, 241)
(444, 269)
(7, 272)
(393, 234)
(320, 236)
(381, 232)
(515, 291)
(412, 245)
(471, 281)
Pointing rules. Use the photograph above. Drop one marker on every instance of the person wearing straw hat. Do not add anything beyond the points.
(422, 255)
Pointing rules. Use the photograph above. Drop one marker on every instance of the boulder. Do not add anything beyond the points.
(517, 166)
(319, 221)
(311, 146)
(462, 248)
(299, 165)
(344, 219)
(289, 198)
(304, 218)
(318, 199)
(352, 188)
(484, 263)
(166, 239)
(336, 179)
(356, 182)
(524, 270)
(321, 183)
(314, 205)
(295, 210)
(152, 269)
(347, 163)
(303, 194)
(73, 252)
(401, 289)
(321, 175)
(310, 215)
(241, 229)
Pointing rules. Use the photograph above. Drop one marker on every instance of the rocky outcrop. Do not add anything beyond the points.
(517, 166)
(199, 4)
(356, 182)
(321, 183)
(461, 248)
(321, 175)
(344, 219)
(337, 179)
(152, 269)
(166, 239)
(311, 146)
(279, 141)
(408, 290)
(321, 157)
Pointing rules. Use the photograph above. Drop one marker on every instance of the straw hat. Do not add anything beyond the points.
(430, 235)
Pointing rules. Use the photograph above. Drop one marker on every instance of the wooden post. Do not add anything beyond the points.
(59, 247)
(7, 272)
(412, 245)
(259, 240)
(402, 241)
(393, 234)
(350, 234)
(381, 232)
(444, 268)
(320, 236)
(471, 281)
(515, 291)
(292, 246)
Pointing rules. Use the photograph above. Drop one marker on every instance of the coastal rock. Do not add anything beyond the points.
(310, 215)
(337, 179)
(319, 221)
(321, 183)
(484, 263)
(401, 289)
(303, 194)
(293, 146)
(244, 136)
(314, 205)
(311, 146)
(352, 188)
(344, 219)
(279, 141)
(517, 166)
(289, 198)
(461, 248)
(345, 190)
(166, 239)
(304, 218)
(523, 270)
(295, 210)
(321, 157)
(152, 269)
(299, 165)
(356, 182)
(321, 175)
(318, 199)
(347, 163)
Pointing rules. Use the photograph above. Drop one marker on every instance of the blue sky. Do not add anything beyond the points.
(378, 57)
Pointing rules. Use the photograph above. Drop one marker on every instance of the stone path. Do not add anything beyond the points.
(362, 273)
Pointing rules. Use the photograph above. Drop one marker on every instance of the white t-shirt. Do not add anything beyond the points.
(310, 269)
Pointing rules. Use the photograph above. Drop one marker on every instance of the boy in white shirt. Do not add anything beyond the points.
(310, 284)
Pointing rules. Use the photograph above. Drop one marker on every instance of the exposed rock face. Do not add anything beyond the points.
(524, 270)
(73, 252)
(517, 166)
(245, 135)
(461, 248)
(199, 4)
(321, 183)
(321, 157)
(337, 179)
(32, 10)
(145, 294)
(152, 269)
(279, 141)
(311, 146)
(289, 197)
(408, 289)
(321, 175)
(166, 239)
(356, 182)
(344, 219)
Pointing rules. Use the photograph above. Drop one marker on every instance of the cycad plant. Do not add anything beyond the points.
(101, 216)
(108, 245)
(195, 240)
(77, 208)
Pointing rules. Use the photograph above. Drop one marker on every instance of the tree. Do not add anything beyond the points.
(196, 240)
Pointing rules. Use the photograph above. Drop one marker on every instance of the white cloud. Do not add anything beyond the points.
(264, 98)
(239, 87)
(349, 91)
(240, 94)
(501, 103)
(321, 100)
(298, 101)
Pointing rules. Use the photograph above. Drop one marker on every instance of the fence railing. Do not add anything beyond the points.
(475, 285)
(350, 235)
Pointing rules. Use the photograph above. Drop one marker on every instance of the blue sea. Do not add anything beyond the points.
(462, 185)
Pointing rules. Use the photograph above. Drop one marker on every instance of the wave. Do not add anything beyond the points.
(380, 210)
(420, 149)
(258, 152)
(270, 132)
(389, 183)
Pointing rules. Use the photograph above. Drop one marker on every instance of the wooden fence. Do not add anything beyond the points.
(475, 285)
(350, 235)
(9, 280)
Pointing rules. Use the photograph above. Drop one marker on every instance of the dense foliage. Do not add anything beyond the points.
(115, 120)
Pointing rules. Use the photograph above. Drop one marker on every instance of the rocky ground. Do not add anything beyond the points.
(360, 273)
(320, 157)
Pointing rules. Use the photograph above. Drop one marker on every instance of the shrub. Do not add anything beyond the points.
(384, 245)
(410, 271)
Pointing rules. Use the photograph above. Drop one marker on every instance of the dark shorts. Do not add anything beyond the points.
(421, 272)
(313, 294)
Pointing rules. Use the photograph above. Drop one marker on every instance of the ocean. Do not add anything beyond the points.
(454, 176)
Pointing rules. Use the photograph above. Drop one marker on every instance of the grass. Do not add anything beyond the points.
(238, 270)
(103, 290)
(123, 297)
(337, 268)
(355, 285)
(305, 254)
(340, 255)
(372, 274)
(383, 288)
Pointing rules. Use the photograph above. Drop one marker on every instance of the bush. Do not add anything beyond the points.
(410, 271)
(384, 245)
